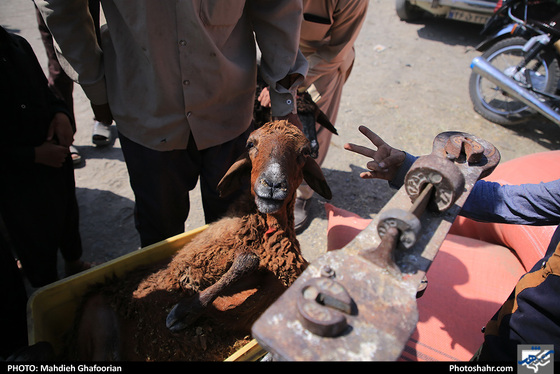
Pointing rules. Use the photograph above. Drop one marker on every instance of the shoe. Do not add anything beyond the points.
(76, 157)
(301, 213)
(101, 133)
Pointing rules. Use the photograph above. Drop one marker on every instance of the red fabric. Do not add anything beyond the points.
(528, 242)
(467, 283)
(533, 168)
(474, 271)
(342, 226)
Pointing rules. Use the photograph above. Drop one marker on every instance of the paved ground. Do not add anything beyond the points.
(409, 83)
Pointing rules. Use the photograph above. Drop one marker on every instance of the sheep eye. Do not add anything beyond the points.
(304, 154)
(249, 145)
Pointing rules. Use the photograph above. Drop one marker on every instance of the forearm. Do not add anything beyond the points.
(526, 204)
(283, 67)
(80, 54)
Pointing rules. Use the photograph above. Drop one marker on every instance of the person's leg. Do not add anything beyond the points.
(70, 238)
(326, 92)
(31, 224)
(161, 182)
(216, 162)
(13, 315)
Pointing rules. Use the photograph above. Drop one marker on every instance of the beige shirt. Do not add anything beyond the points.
(328, 33)
(169, 68)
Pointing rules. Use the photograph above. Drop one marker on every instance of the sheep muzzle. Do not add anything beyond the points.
(271, 189)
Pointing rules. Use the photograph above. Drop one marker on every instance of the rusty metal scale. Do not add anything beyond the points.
(359, 302)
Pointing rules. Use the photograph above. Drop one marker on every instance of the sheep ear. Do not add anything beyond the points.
(235, 175)
(315, 179)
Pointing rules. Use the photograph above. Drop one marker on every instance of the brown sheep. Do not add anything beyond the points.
(202, 302)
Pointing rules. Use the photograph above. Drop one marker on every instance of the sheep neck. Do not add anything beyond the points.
(282, 220)
(275, 223)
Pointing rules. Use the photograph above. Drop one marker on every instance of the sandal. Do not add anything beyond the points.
(76, 157)
(101, 133)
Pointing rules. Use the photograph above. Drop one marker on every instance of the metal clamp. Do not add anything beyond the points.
(366, 308)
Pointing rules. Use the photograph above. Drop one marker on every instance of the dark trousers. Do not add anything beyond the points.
(41, 215)
(13, 317)
(161, 182)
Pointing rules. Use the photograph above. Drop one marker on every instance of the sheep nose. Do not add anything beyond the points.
(272, 188)
(274, 185)
(279, 185)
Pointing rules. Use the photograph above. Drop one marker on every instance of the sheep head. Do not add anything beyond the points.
(277, 160)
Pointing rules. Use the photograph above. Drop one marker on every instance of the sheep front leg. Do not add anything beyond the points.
(187, 311)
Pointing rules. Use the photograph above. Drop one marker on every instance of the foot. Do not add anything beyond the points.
(185, 313)
(76, 157)
(301, 213)
(101, 133)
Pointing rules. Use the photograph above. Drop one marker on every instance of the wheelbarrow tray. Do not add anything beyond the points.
(51, 309)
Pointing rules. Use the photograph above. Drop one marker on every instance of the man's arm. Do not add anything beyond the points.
(79, 53)
(277, 29)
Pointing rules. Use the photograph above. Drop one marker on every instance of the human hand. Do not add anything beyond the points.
(102, 113)
(60, 130)
(386, 160)
(51, 154)
(264, 98)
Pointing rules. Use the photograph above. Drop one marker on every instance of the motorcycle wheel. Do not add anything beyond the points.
(493, 103)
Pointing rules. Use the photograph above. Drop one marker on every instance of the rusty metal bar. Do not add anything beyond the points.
(379, 274)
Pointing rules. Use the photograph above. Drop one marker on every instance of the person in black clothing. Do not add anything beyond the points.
(14, 300)
(38, 208)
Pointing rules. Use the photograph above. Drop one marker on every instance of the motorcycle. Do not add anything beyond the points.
(510, 17)
(518, 73)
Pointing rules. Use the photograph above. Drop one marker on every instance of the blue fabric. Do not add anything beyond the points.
(526, 204)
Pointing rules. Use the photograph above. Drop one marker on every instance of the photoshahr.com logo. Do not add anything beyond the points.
(535, 359)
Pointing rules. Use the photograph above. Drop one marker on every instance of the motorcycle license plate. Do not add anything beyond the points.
(461, 15)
